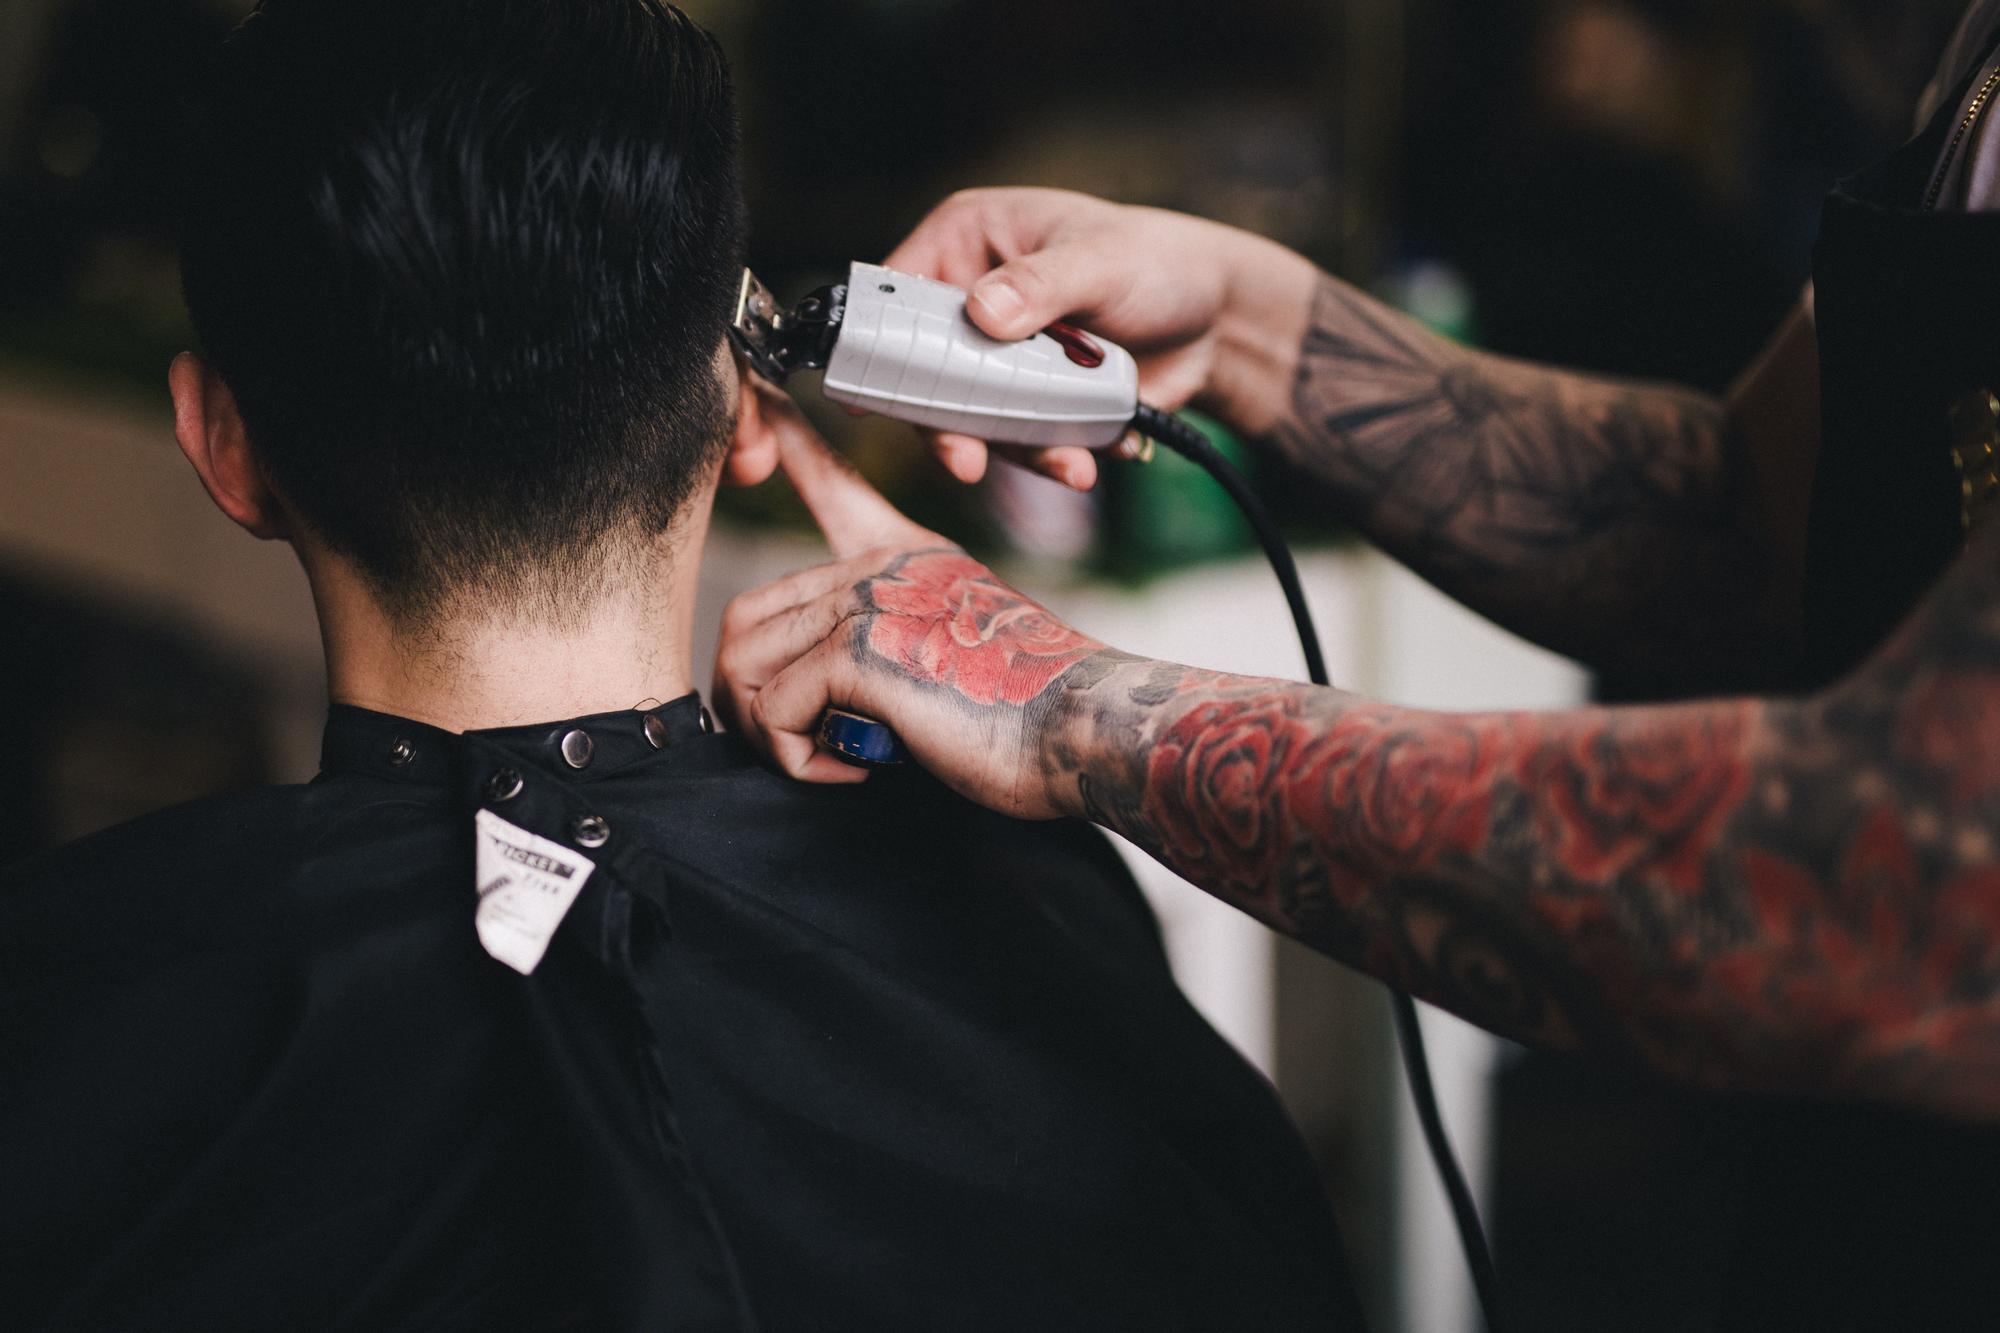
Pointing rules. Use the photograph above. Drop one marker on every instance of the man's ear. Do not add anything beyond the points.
(211, 434)
(753, 449)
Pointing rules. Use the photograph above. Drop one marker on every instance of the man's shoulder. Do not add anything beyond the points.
(896, 810)
(168, 875)
(901, 840)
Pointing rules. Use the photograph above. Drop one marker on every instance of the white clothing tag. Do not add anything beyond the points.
(526, 884)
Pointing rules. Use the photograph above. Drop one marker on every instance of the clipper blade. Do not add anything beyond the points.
(777, 341)
(754, 329)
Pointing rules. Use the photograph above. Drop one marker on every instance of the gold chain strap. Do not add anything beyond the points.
(1975, 452)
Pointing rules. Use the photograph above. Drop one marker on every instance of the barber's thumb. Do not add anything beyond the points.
(1016, 300)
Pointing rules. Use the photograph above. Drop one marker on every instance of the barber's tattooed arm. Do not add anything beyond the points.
(1602, 518)
(1800, 895)
(1633, 526)
(1789, 895)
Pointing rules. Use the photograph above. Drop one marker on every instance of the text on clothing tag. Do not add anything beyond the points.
(526, 884)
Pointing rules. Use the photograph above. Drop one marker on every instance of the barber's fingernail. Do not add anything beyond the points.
(960, 461)
(1000, 299)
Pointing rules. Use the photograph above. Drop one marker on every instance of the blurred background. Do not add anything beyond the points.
(1625, 185)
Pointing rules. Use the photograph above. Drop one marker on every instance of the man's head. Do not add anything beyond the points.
(461, 270)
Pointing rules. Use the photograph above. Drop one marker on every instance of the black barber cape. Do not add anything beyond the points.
(796, 1058)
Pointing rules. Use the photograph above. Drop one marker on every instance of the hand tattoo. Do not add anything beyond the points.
(1795, 894)
(942, 619)
(1590, 515)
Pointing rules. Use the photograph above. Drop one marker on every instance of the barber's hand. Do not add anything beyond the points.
(903, 627)
(1213, 315)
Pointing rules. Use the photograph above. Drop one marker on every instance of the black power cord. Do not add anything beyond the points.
(1192, 445)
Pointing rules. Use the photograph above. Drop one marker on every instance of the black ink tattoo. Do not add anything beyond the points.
(1593, 516)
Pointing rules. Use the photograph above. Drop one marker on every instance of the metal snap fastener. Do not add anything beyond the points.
(576, 747)
(504, 785)
(656, 731)
(707, 721)
(590, 831)
(401, 752)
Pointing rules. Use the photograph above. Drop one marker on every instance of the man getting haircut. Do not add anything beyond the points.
(592, 1022)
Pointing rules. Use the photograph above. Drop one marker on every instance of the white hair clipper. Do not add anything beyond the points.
(903, 346)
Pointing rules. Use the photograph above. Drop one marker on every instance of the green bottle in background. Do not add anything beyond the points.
(1168, 513)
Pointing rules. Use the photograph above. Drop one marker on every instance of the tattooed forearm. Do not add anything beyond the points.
(1797, 895)
(1597, 517)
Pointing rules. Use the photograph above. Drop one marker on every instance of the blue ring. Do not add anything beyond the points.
(861, 741)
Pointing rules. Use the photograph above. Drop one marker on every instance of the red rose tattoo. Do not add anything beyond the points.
(1951, 726)
(1407, 795)
(1645, 796)
(942, 617)
(1233, 782)
(1216, 786)
(1837, 957)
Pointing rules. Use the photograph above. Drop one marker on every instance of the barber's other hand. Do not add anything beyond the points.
(902, 626)
(1214, 315)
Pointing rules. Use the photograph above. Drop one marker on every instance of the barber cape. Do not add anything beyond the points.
(785, 1057)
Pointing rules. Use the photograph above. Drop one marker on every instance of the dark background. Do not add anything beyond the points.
(1624, 185)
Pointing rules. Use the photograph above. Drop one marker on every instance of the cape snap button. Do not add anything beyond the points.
(576, 747)
(504, 785)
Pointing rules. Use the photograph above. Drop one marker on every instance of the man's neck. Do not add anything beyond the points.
(478, 667)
